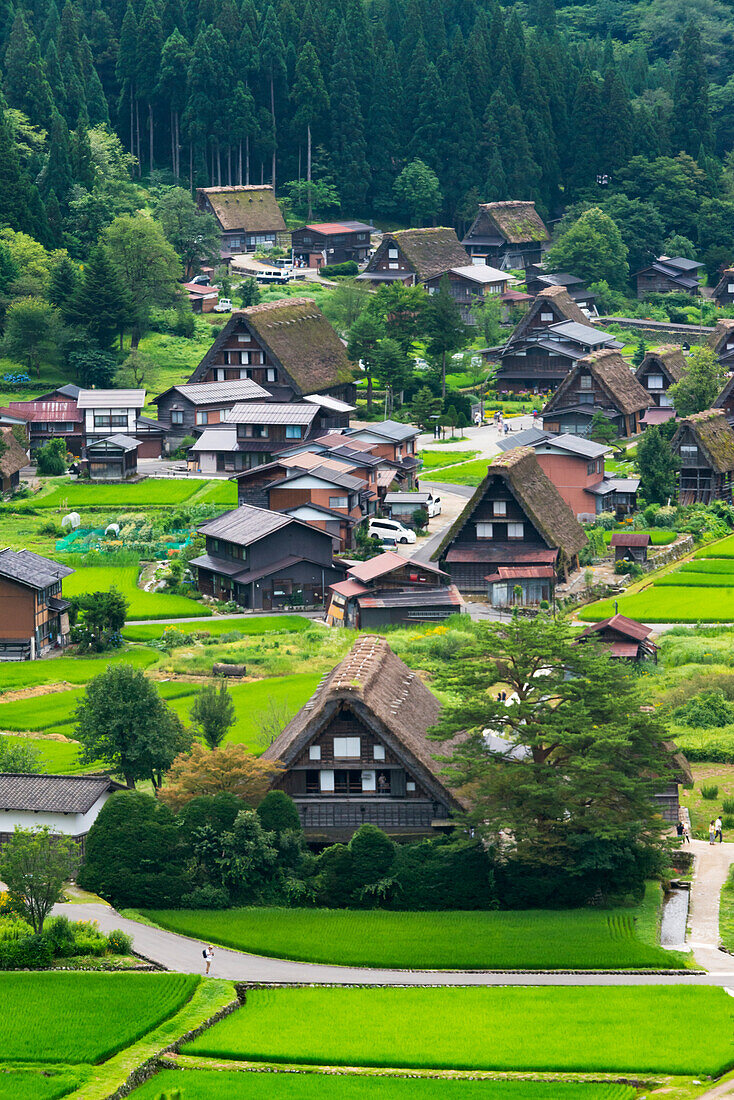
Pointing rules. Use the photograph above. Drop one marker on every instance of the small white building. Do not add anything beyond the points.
(68, 804)
(108, 411)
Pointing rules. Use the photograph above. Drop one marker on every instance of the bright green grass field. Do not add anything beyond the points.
(617, 1029)
(669, 604)
(57, 1016)
(579, 939)
(284, 695)
(57, 757)
(722, 549)
(35, 1085)
(680, 579)
(74, 495)
(15, 675)
(709, 566)
(143, 605)
(253, 624)
(467, 473)
(432, 460)
(657, 537)
(224, 1085)
(217, 492)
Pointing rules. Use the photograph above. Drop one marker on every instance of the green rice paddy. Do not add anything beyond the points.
(70, 670)
(142, 605)
(432, 460)
(22, 1084)
(701, 590)
(466, 473)
(73, 495)
(534, 939)
(722, 549)
(231, 1085)
(253, 624)
(58, 1016)
(565, 1029)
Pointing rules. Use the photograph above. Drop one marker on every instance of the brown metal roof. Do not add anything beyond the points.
(387, 563)
(506, 552)
(628, 628)
(631, 538)
(521, 572)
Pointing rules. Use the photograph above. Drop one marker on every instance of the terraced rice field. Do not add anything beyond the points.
(253, 624)
(578, 939)
(142, 605)
(83, 1018)
(21, 1084)
(223, 1085)
(70, 670)
(616, 1029)
(151, 492)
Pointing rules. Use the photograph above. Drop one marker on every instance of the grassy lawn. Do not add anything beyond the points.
(667, 603)
(568, 1028)
(433, 459)
(175, 356)
(703, 810)
(73, 495)
(57, 757)
(143, 605)
(578, 939)
(77, 1018)
(224, 1085)
(466, 473)
(658, 536)
(252, 625)
(70, 670)
(34, 1084)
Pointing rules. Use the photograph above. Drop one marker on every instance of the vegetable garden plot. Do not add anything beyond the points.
(563, 1029)
(83, 1017)
(224, 1085)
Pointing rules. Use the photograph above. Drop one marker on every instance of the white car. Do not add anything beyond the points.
(433, 507)
(391, 529)
(224, 305)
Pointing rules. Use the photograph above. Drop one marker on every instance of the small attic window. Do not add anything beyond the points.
(585, 381)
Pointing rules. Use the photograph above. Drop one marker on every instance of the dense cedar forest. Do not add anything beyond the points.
(584, 104)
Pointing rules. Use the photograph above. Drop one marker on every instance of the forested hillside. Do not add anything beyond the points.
(519, 102)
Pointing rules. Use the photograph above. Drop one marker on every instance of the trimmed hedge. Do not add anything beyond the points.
(348, 268)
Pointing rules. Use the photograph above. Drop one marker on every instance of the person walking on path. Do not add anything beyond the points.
(719, 827)
(712, 833)
(208, 954)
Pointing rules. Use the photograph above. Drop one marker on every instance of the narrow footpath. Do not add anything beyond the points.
(710, 873)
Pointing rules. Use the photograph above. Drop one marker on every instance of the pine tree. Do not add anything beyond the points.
(348, 145)
(54, 219)
(62, 284)
(384, 129)
(51, 27)
(81, 155)
(175, 60)
(127, 66)
(430, 133)
(74, 97)
(25, 83)
(99, 303)
(57, 175)
(617, 123)
(148, 64)
(272, 58)
(311, 103)
(69, 44)
(587, 129)
(692, 126)
(96, 100)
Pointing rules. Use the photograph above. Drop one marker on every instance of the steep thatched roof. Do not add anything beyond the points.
(377, 686)
(724, 329)
(561, 304)
(517, 221)
(614, 377)
(429, 251)
(254, 209)
(14, 457)
(713, 435)
(537, 496)
(297, 337)
(668, 356)
(727, 276)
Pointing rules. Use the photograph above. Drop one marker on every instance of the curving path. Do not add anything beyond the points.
(180, 953)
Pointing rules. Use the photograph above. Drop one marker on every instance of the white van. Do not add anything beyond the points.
(391, 529)
(433, 507)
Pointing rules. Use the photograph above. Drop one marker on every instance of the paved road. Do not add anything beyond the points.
(182, 954)
(711, 870)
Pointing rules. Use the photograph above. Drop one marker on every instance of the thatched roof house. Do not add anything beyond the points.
(724, 290)
(553, 300)
(704, 443)
(412, 256)
(721, 340)
(12, 460)
(363, 733)
(600, 382)
(659, 370)
(516, 517)
(248, 216)
(510, 232)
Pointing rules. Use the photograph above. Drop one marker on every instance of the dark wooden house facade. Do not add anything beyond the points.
(537, 279)
(114, 458)
(667, 275)
(287, 346)
(357, 752)
(704, 443)
(189, 410)
(331, 243)
(604, 383)
(721, 340)
(412, 256)
(552, 336)
(34, 616)
(390, 589)
(631, 546)
(516, 519)
(658, 371)
(724, 289)
(266, 560)
(507, 235)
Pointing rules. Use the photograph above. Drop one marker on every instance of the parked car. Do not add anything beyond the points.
(391, 529)
(274, 277)
(201, 280)
(434, 506)
(224, 305)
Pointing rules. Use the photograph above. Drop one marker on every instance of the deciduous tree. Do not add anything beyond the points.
(31, 332)
(35, 864)
(146, 265)
(212, 714)
(701, 384)
(208, 771)
(657, 466)
(418, 192)
(194, 236)
(593, 249)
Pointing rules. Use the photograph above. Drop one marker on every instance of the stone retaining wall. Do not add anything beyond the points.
(674, 552)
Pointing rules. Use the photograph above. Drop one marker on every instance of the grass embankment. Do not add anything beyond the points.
(726, 913)
(466, 473)
(566, 1029)
(84, 1018)
(535, 940)
(703, 810)
(432, 460)
(231, 1085)
(253, 625)
(142, 605)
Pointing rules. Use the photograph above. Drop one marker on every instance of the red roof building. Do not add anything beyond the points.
(52, 419)
(389, 589)
(623, 637)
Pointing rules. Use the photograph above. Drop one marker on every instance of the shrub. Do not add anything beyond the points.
(728, 821)
(665, 516)
(709, 791)
(119, 943)
(206, 897)
(727, 805)
(606, 520)
(350, 267)
(277, 812)
(707, 710)
(31, 953)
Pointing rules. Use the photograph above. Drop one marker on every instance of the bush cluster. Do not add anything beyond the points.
(350, 267)
(22, 949)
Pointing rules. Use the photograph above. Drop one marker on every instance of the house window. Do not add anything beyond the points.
(689, 452)
(314, 752)
(392, 253)
(347, 748)
(546, 316)
(484, 530)
(515, 530)
(499, 507)
(338, 502)
(410, 785)
(271, 374)
(393, 266)
(730, 288)
(585, 381)
(293, 431)
(326, 780)
(654, 381)
(591, 467)
(368, 780)
(665, 401)
(378, 752)
(202, 418)
(177, 417)
(586, 399)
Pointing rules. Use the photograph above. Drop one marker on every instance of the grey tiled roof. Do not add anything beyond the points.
(111, 399)
(245, 524)
(390, 429)
(126, 442)
(206, 393)
(255, 413)
(31, 569)
(66, 794)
